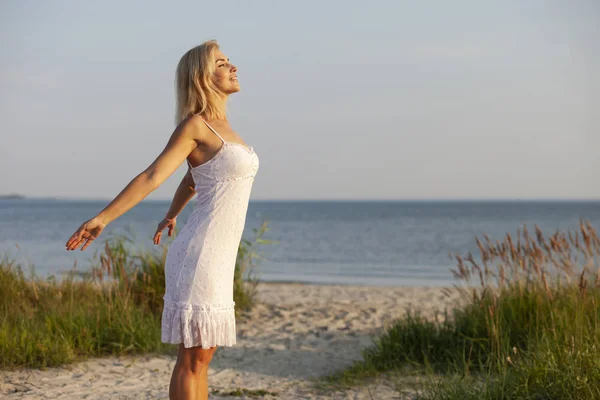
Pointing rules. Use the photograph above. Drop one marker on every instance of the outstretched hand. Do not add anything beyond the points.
(86, 234)
(165, 223)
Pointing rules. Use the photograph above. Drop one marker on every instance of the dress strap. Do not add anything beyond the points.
(211, 128)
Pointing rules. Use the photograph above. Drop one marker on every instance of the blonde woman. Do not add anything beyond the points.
(198, 302)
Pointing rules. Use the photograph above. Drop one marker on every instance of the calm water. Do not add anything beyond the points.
(377, 243)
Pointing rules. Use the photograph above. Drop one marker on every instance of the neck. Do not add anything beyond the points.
(222, 106)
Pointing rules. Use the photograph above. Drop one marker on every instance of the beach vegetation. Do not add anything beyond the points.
(527, 326)
(112, 308)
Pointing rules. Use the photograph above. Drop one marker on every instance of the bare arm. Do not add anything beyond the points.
(181, 143)
(184, 193)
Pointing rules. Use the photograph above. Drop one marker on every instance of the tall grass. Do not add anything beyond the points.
(113, 309)
(528, 326)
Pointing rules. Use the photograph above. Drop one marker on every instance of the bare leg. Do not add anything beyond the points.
(202, 393)
(189, 380)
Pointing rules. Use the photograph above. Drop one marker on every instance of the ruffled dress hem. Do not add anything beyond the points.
(206, 325)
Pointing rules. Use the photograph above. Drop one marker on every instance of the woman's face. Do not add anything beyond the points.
(225, 76)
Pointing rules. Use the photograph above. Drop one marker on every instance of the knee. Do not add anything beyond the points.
(198, 365)
(200, 362)
(196, 359)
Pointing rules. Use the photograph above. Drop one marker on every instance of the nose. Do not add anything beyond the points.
(233, 68)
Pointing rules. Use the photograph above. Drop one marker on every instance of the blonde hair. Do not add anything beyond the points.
(194, 88)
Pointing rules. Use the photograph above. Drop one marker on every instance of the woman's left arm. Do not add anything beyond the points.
(180, 145)
(184, 193)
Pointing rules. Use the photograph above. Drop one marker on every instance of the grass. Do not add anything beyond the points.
(528, 326)
(113, 309)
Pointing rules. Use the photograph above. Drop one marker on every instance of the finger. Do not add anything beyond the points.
(171, 230)
(73, 242)
(89, 238)
(80, 242)
(157, 237)
(84, 239)
(73, 238)
(77, 235)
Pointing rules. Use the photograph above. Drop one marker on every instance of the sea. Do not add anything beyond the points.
(379, 243)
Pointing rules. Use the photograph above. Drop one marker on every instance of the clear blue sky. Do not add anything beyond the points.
(341, 99)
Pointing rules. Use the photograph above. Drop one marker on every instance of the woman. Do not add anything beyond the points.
(198, 302)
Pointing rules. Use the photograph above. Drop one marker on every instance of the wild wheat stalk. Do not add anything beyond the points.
(527, 258)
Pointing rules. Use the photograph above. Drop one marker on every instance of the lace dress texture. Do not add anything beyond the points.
(198, 303)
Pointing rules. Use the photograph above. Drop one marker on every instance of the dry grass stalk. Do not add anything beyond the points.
(526, 258)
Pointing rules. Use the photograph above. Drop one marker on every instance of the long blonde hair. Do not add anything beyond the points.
(194, 88)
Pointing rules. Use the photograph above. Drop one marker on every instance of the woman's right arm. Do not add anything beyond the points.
(182, 142)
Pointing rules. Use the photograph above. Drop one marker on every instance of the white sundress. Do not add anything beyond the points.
(198, 303)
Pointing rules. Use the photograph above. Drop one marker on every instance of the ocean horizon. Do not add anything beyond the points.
(373, 242)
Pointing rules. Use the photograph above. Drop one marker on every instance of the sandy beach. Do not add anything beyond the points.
(296, 333)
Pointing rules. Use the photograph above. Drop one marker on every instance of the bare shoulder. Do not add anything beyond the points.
(193, 127)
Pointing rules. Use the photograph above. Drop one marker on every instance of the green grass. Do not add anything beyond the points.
(114, 309)
(528, 329)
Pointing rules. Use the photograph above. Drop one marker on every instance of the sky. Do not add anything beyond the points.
(342, 100)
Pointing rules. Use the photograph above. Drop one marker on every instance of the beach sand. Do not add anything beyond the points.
(297, 332)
